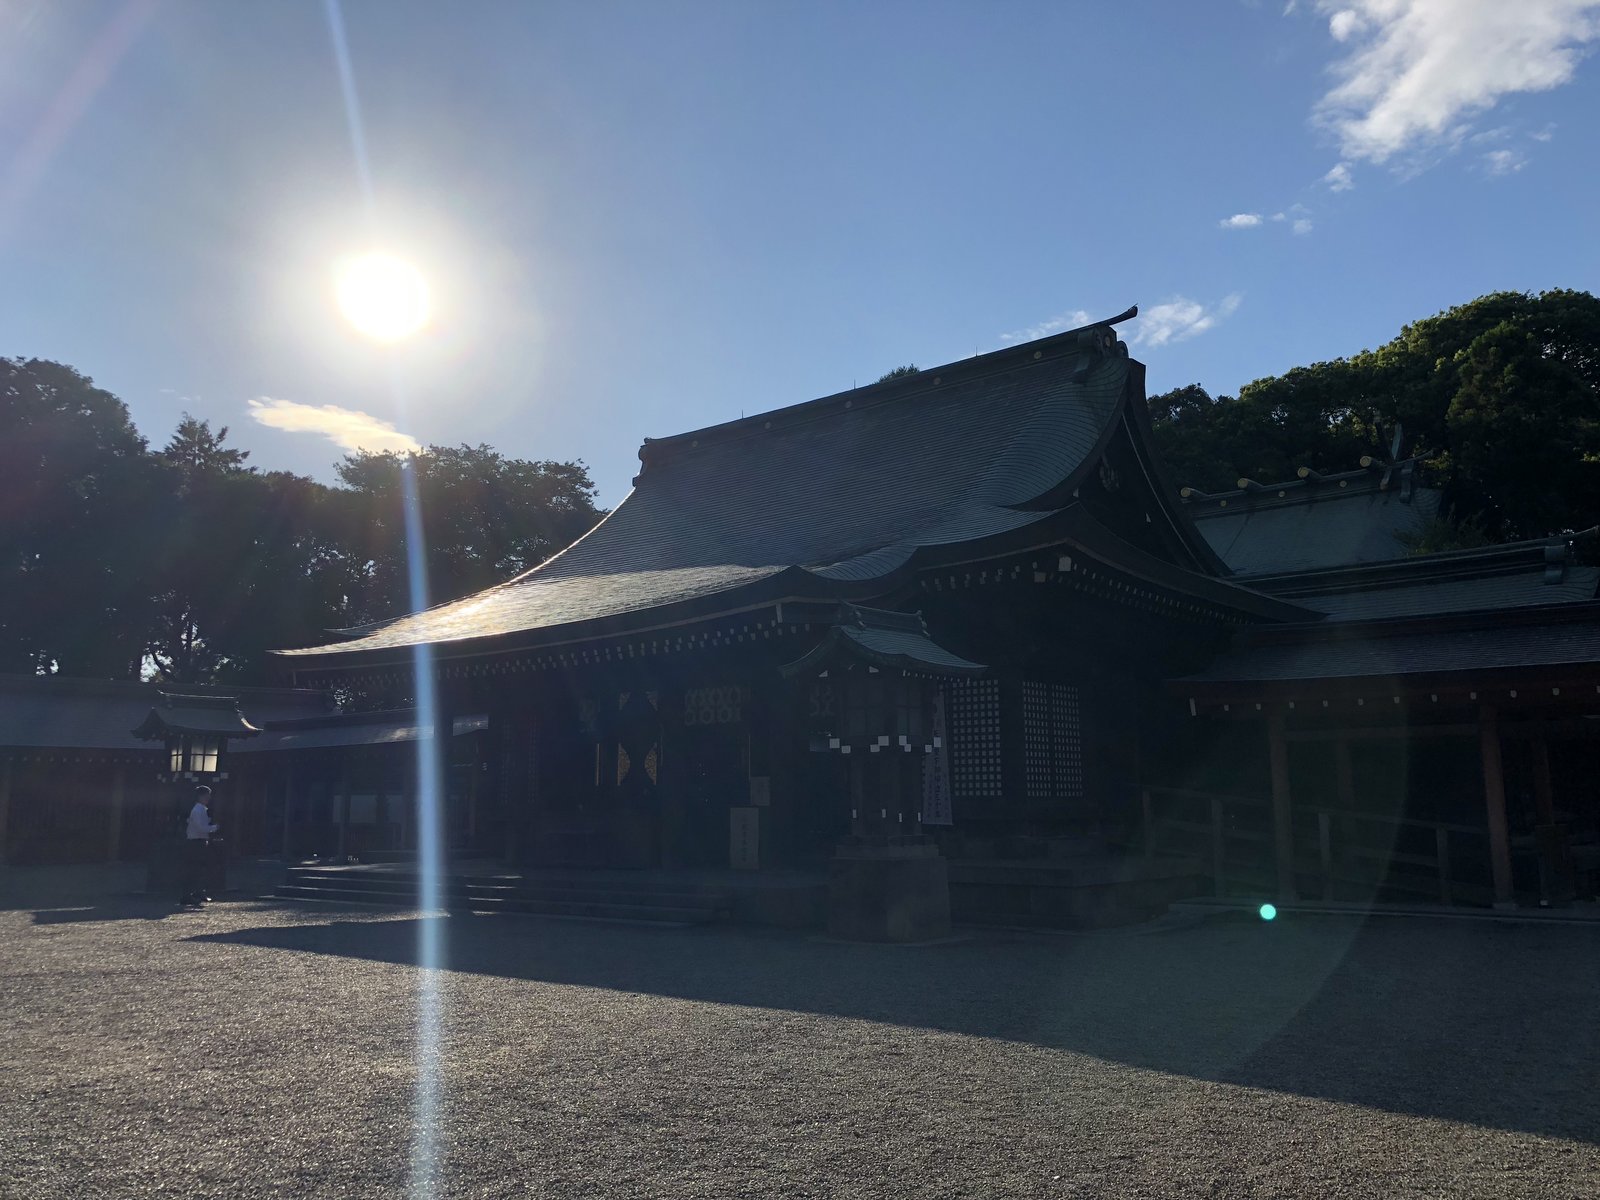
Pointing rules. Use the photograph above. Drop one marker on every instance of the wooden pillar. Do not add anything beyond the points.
(5, 807)
(1441, 843)
(444, 726)
(119, 784)
(1219, 879)
(1345, 775)
(1544, 797)
(1345, 782)
(288, 812)
(408, 802)
(1282, 829)
(473, 782)
(1325, 852)
(341, 798)
(1494, 795)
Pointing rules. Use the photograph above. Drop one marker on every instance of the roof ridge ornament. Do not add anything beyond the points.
(1557, 554)
(1387, 465)
(1098, 341)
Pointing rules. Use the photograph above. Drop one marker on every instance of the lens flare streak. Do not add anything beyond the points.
(432, 746)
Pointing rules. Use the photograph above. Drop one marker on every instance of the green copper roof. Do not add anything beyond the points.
(819, 500)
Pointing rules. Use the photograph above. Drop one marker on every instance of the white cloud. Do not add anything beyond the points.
(1241, 221)
(1339, 178)
(1180, 319)
(1067, 320)
(1545, 134)
(1419, 70)
(1504, 162)
(1303, 225)
(345, 427)
(1345, 24)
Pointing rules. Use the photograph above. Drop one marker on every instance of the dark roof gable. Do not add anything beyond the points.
(831, 498)
(844, 498)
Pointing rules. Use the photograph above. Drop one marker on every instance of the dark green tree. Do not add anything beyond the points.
(198, 453)
(248, 562)
(76, 486)
(1503, 394)
(202, 555)
(189, 564)
(485, 518)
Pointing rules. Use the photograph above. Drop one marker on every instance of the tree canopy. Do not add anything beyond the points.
(117, 560)
(485, 518)
(72, 596)
(1502, 395)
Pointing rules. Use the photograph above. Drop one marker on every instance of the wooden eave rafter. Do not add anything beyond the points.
(1564, 686)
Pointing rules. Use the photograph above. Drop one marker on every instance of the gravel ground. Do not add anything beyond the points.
(261, 1050)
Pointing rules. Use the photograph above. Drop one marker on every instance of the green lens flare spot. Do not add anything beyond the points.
(1268, 911)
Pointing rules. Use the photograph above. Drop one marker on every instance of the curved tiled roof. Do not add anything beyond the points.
(895, 640)
(177, 713)
(837, 492)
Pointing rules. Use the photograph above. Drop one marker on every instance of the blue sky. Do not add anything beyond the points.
(641, 218)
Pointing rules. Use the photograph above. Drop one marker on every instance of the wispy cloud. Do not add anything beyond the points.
(1339, 178)
(1181, 318)
(1067, 320)
(1296, 216)
(347, 428)
(1504, 162)
(1419, 71)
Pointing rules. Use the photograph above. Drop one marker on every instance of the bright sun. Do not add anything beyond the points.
(383, 296)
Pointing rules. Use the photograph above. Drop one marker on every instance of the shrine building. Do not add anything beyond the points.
(958, 629)
(968, 607)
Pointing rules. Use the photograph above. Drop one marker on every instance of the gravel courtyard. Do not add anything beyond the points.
(257, 1049)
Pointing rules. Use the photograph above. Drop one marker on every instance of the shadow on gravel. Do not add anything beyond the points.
(140, 906)
(136, 908)
(1491, 1025)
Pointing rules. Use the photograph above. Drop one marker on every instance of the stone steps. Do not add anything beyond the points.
(651, 903)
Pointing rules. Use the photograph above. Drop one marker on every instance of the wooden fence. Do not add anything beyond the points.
(1338, 854)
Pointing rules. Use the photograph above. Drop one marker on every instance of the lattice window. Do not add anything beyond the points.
(975, 737)
(713, 705)
(1052, 738)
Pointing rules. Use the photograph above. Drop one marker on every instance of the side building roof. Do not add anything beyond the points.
(55, 712)
(1468, 646)
(1513, 575)
(1316, 521)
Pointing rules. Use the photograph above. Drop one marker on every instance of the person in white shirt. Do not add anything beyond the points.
(197, 836)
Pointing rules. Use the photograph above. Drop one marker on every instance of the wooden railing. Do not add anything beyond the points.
(1335, 850)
